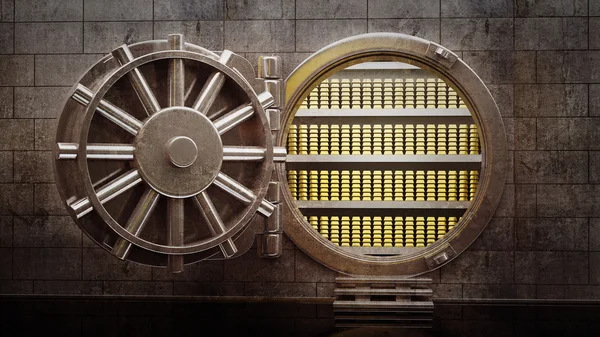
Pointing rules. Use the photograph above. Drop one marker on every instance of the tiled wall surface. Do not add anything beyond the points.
(540, 59)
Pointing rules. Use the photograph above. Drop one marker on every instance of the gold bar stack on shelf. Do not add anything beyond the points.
(324, 95)
(334, 139)
(409, 139)
(431, 186)
(420, 186)
(409, 185)
(356, 186)
(473, 140)
(345, 94)
(345, 185)
(345, 139)
(334, 93)
(324, 226)
(431, 93)
(409, 232)
(442, 139)
(356, 93)
(366, 139)
(431, 230)
(388, 93)
(377, 186)
(409, 93)
(334, 185)
(377, 143)
(367, 94)
(398, 185)
(442, 94)
(356, 231)
(377, 93)
(345, 231)
(334, 230)
(313, 183)
(323, 185)
(292, 176)
(398, 93)
(292, 141)
(367, 185)
(388, 185)
(473, 183)
(324, 139)
(313, 139)
(463, 139)
(388, 139)
(366, 231)
(442, 188)
(420, 93)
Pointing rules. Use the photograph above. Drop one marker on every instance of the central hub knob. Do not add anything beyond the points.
(182, 151)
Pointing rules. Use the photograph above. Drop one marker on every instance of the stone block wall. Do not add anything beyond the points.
(540, 59)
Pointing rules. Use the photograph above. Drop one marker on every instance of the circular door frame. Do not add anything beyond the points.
(435, 58)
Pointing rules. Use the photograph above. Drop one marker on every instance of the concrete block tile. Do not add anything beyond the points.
(335, 9)
(325, 289)
(506, 206)
(551, 167)
(594, 97)
(595, 234)
(582, 292)
(309, 270)
(57, 70)
(137, 288)
(6, 231)
(47, 263)
(447, 290)
(503, 67)
(384, 9)
(34, 166)
(525, 195)
(261, 10)
(498, 235)
(102, 37)
(568, 66)
(510, 177)
(7, 10)
(428, 29)
(188, 10)
(6, 102)
(568, 134)
(504, 96)
(98, 264)
(595, 267)
(552, 234)
(551, 33)
(47, 201)
(207, 34)
(280, 289)
(34, 38)
(45, 130)
(509, 129)
(6, 263)
(39, 102)
(48, 10)
(204, 271)
(594, 26)
(312, 35)
(498, 291)
(7, 38)
(594, 8)
(476, 8)
(532, 8)
(16, 134)
(208, 288)
(16, 287)
(117, 10)
(6, 166)
(46, 231)
(551, 100)
(477, 34)
(16, 70)
(550, 291)
(480, 267)
(16, 199)
(568, 200)
(67, 287)
(260, 36)
(251, 267)
(542, 267)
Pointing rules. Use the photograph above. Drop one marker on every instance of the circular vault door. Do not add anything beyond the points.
(164, 153)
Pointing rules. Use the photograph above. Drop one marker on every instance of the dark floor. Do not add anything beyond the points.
(136, 317)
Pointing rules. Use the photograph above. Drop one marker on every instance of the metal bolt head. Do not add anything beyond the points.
(181, 151)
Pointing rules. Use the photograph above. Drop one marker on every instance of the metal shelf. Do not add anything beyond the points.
(382, 251)
(384, 208)
(381, 66)
(383, 162)
(382, 116)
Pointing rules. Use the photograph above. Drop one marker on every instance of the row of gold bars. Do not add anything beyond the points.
(376, 231)
(383, 185)
(396, 93)
(383, 139)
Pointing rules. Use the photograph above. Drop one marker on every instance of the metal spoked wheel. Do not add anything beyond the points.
(160, 138)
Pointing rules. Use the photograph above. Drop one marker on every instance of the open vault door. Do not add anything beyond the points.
(164, 153)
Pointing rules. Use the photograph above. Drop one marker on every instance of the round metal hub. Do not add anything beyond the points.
(178, 152)
(182, 151)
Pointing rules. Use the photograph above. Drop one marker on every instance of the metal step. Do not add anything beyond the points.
(383, 291)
